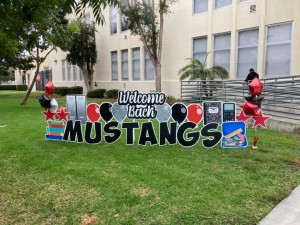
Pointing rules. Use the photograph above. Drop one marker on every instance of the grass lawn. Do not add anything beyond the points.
(49, 182)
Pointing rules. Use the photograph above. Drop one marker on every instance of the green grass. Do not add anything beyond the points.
(48, 182)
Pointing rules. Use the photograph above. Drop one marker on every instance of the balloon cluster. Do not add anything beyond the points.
(46, 101)
(253, 102)
(178, 111)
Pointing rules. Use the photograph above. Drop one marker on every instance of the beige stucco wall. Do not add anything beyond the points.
(181, 26)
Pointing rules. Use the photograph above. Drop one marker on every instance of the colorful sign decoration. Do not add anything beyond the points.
(134, 114)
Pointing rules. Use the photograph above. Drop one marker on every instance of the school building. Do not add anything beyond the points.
(238, 34)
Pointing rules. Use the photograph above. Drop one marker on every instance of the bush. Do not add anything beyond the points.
(21, 87)
(171, 100)
(8, 87)
(62, 91)
(98, 93)
(113, 93)
(75, 90)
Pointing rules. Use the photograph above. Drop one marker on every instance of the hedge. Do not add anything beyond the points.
(21, 87)
(8, 87)
(63, 91)
(113, 93)
(98, 93)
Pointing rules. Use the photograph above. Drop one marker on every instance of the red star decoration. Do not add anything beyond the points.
(49, 115)
(242, 117)
(62, 115)
(260, 120)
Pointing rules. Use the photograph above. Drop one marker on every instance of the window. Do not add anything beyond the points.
(81, 74)
(114, 65)
(75, 72)
(125, 65)
(278, 52)
(69, 71)
(222, 3)
(113, 19)
(63, 66)
(87, 19)
(123, 23)
(149, 67)
(200, 48)
(136, 67)
(244, 0)
(247, 51)
(200, 6)
(222, 51)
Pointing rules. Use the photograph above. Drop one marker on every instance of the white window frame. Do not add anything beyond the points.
(114, 78)
(75, 72)
(221, 49)
(63, 67)
(134, 61)
(124, 62)
(278, 43)
(243, 47)
(215, 6)
(69, 70)
(196, 52)
(194, 3)
(148, 59)
(113, 20)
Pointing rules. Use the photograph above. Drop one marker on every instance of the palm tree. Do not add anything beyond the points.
(196, 70)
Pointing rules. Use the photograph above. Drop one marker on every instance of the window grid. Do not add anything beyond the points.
(114, 65)
(69, 71)
(149, 67)
(136, 67)
(124, 64)
(75, 72)
(113, 19)
(247, 51)
(222, 51)
(222, 3)
(200, 48)
(278, 49)
(63, 63)
(200, 6)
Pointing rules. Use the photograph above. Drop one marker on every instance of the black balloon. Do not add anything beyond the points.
(255, 100)
(105, 111)
(179, 112)
(45, 102)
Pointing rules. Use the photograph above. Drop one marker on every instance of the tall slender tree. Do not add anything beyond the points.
(83, 52)
(146, 18)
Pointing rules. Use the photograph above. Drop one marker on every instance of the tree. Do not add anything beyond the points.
(83, 52)
(146, 18)
(196, 70)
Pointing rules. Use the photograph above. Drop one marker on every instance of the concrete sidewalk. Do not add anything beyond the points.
(286, 212)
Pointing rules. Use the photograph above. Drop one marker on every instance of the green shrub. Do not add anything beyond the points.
(21, 87)
(75, 90)
(62, 91)
(113, 93)
(171, 100)
(98, 93)
(8, 87)
(57, 90)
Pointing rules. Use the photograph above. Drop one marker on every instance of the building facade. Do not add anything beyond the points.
(238, 34)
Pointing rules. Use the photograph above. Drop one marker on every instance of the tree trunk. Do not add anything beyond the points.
(158, 77)
(86, 77)
(31, 85)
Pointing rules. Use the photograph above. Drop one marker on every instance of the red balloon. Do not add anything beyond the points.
(49, 88)
(92, 112)
(250, 109)
(195, 113)
(255, 87)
